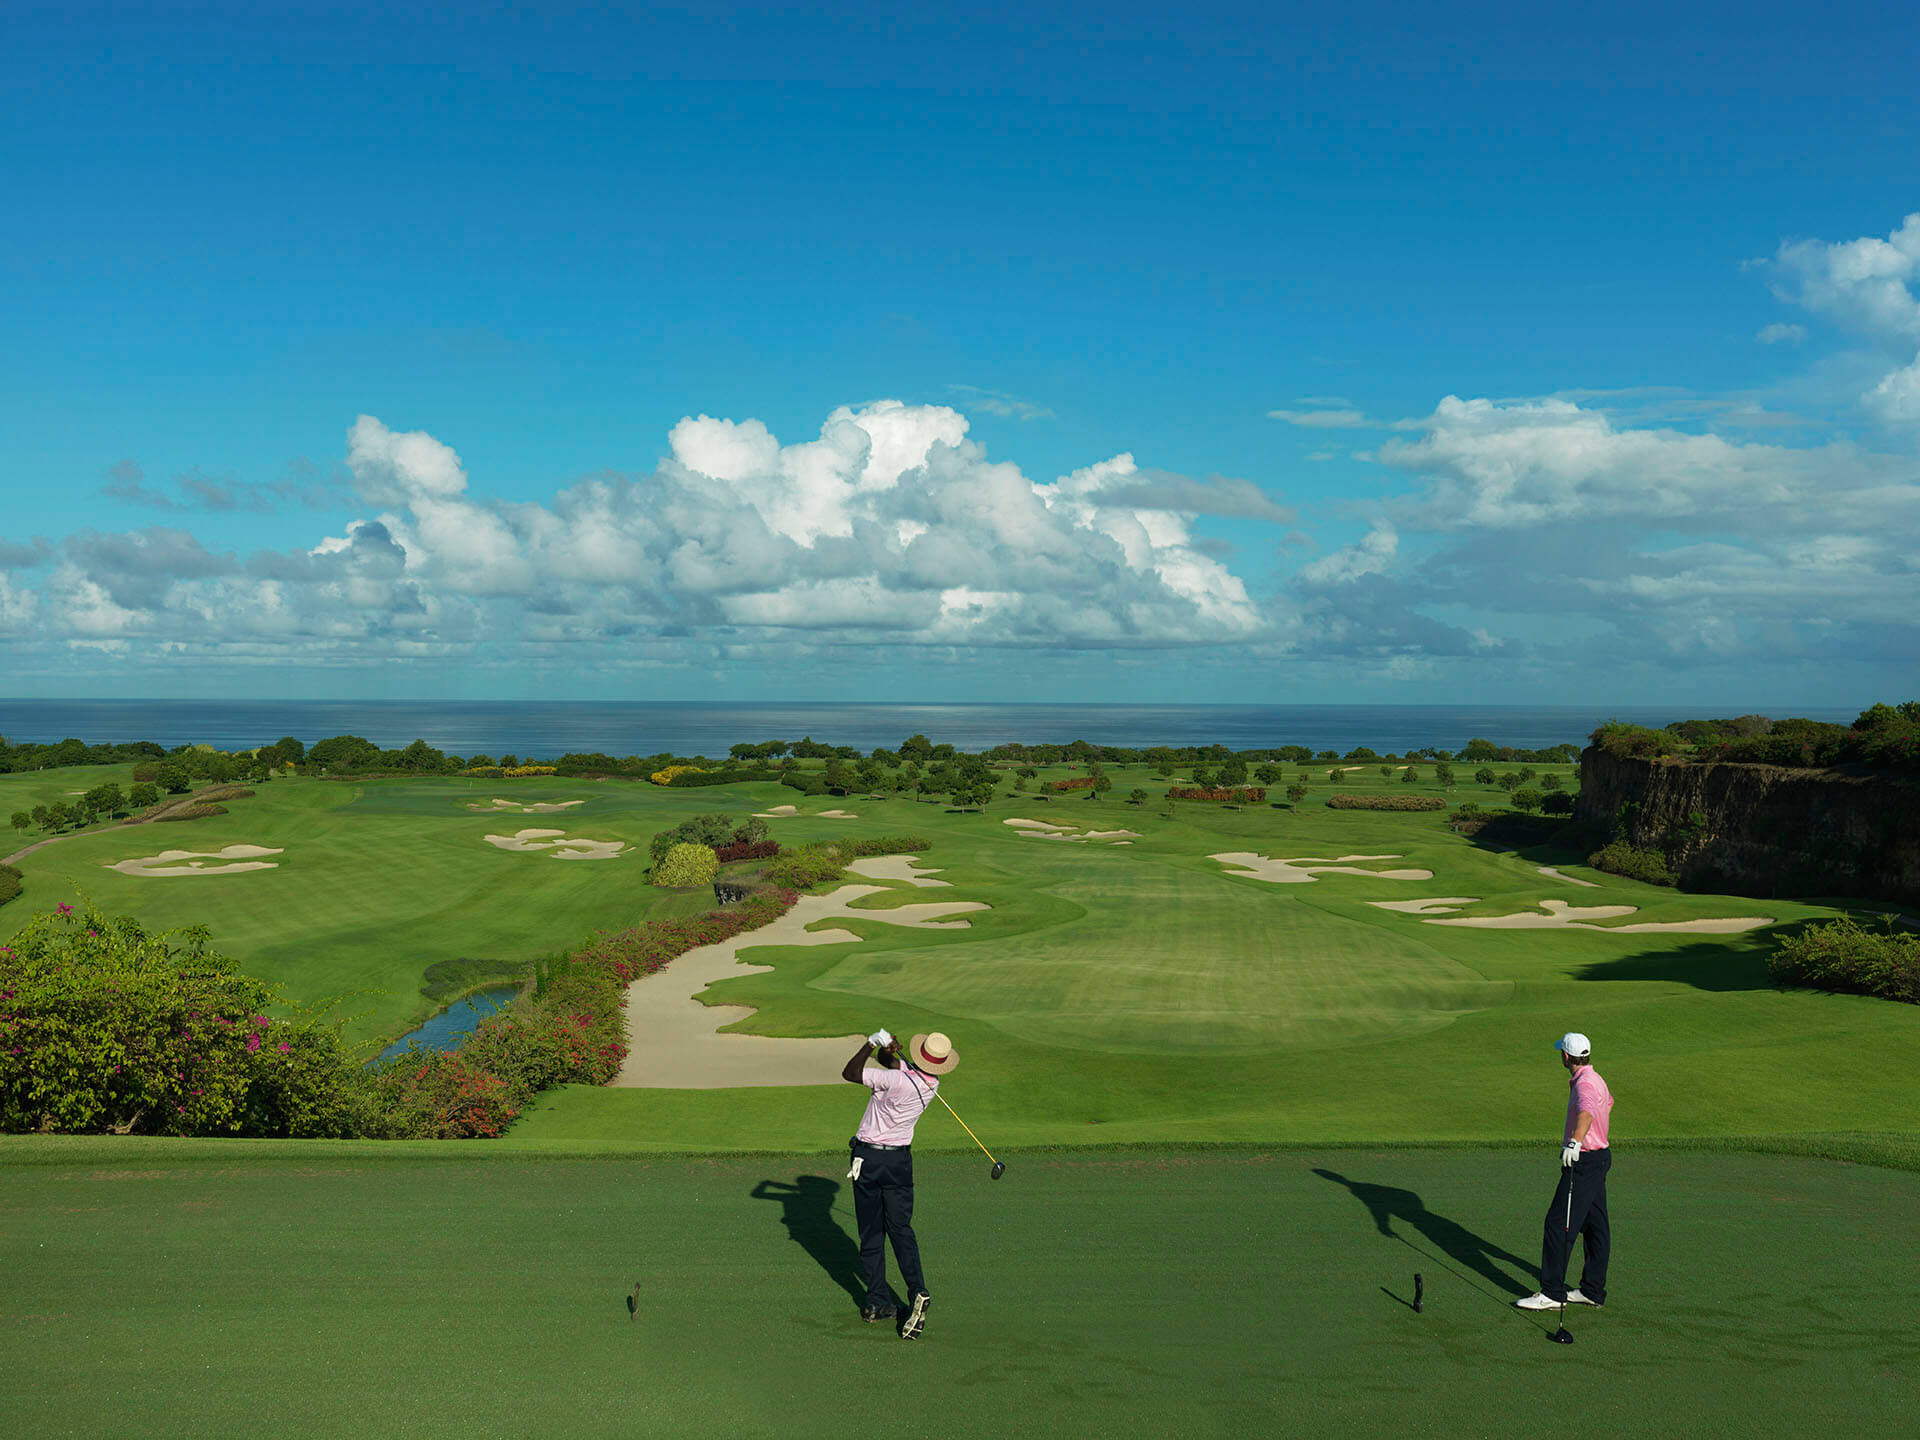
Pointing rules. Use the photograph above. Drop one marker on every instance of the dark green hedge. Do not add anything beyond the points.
(1847, 957)
(1386, 802)
(11, 883)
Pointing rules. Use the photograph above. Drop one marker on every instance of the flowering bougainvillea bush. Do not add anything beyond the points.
(1241, 795)
(1077, 782)
(567, 1030)
(1386, 802)
(107, 1028)
(747, 850)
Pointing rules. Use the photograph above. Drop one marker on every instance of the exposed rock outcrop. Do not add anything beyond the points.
(1762, 829)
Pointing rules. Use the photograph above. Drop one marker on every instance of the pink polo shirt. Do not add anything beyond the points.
(1588, 1092)
(898, 1100)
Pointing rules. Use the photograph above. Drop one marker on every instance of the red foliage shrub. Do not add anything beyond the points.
(747, 850)
(1080, 782)
(1243, 795)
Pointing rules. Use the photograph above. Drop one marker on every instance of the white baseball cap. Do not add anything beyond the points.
(1574, 1044)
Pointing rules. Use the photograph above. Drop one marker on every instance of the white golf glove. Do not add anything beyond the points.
(1569, 1153)
(880, 1039)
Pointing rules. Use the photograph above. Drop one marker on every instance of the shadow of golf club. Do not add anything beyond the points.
(807, 1212)
(1391, 1296)
(1386, 1204)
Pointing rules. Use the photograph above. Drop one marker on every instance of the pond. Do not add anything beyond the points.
(453, 1024)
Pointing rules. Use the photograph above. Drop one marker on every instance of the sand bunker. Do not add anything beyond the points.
(231, 861)
(838, 815)
(1307, 868)
(523, 808)
(778, 812)
(1040, 829)
(1553, 874)
(1561, 916)
(897, 867)
(559, 845)
(673, 1039)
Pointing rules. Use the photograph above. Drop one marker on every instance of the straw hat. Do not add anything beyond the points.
(932, 1053)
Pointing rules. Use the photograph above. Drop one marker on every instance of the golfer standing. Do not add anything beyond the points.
(882, 1168)
(1580, 1200)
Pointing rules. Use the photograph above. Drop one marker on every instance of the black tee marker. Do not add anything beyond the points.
(1419, 1286)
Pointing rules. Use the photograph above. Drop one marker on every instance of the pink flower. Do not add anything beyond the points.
(285, 1049)
(253, 1044)
(66, 909)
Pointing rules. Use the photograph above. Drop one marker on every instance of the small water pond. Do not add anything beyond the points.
(453, 1024)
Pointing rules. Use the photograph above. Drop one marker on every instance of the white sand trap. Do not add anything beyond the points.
(559, 845)
(522, 808)
(778, 812)
(838, 815)
(1553, 874)
(1561, 916)
(673, 1040)
(1438, 905)
(233, 860)
(1043, 830)
(1036, 825)
(897, 867)
(1305, 869)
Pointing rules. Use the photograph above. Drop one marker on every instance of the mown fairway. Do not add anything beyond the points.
(1112, 993)
(193, 1289)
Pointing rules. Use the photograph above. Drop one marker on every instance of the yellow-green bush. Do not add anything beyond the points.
(686, 864)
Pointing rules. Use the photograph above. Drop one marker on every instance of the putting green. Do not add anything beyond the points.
(197, 1288)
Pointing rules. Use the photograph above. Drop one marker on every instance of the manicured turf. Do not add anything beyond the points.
(199, 1288)
(1112, 993)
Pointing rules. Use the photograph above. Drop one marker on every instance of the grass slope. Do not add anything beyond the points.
(193, 1289)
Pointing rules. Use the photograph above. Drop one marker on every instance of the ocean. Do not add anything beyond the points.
(543, 731)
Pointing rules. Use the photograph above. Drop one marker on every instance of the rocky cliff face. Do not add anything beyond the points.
(1763, 830)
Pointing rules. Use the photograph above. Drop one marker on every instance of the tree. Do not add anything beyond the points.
(59, 815)
(21, 819)
(143, 794)
(1202, 777)
(1337, 776)
(1268, 774)
(1020, 782)
(1484, 775)
(1443, 775)
(1510, 782)
(1134, 797)
(106, 799)
(1549, 782)
(1527, 800)
(1556, 802)
(42, 818)
(1296, 792)
(1386, 772)
(916, 747)
(172, 777)
(1101, 785)
(1234, 772)
(1164, 769)
(1409, 775)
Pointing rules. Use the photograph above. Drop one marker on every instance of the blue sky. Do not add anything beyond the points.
(1108, 353)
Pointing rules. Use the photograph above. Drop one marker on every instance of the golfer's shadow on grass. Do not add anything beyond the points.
(1387, 1204)
(808, 1215)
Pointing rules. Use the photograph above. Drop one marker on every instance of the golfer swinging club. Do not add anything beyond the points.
(882, 1169)
(1580, 1200)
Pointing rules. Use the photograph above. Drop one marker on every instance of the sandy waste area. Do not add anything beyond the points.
(1044, 830)
(673, 1039)
(1305, 869)
(521, 807)
(559, 844)
(232, 860)
(1558, 915)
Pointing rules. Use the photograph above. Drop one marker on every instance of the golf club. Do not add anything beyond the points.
(1562, 1336)
(999, 1166)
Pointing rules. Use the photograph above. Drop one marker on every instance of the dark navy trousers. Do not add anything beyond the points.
(883, 1208)
(1585, 1181)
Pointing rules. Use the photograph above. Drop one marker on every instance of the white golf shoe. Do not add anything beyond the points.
(1537, 1301)
(1574, 1297)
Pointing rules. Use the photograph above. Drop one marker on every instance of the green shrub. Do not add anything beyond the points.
(1844, 956)
(883, 845)
(195, 811)
(1386, 802)
(686, 864)
(1620, 858)
(809, 866)
(11, 883)
(104, 1027)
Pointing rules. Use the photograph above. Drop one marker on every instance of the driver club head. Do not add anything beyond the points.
(999, 1169)
(1561, 1336)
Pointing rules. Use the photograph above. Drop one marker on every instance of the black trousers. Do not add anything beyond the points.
(883, 1207)
(1585, 1181)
